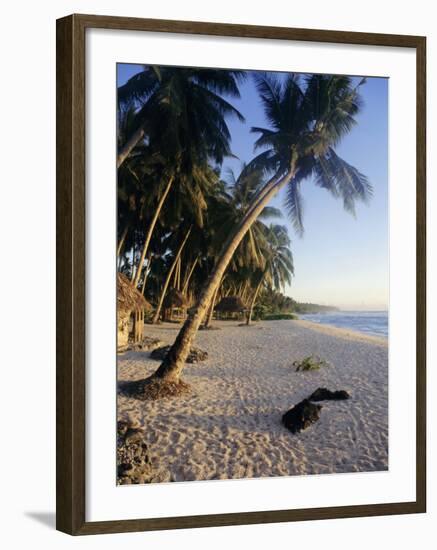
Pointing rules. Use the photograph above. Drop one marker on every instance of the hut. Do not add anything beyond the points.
(131, 306)
(230, 307)
(174, 303)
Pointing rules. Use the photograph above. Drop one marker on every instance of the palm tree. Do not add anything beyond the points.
(169, 275)
(307, 121)
(191, 99)
(230, 206)
(137, 180)
(241, 192)
(183, 115)
(278, 267)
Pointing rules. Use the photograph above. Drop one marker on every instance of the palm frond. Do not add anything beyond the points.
(342, 180)
(269, 88)
(294, 205)
(139, 87)
(269, 212)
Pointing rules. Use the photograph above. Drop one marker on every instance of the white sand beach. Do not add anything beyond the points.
(230, 426)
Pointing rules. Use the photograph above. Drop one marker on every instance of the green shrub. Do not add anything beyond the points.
(279, 316)
(259, 312)
(310, 363)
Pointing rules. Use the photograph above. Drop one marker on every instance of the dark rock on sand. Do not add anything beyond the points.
(146, 344)
(194, 356)
(323, 394)
(301, 416)
(133, 460)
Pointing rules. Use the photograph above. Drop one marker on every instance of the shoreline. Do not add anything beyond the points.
(346, 333)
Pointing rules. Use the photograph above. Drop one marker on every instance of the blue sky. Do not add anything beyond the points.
(340, 260)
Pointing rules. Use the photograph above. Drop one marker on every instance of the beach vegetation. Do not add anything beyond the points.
(279, 317)
(310, 363)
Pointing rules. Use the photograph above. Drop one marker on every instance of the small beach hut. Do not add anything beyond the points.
(230, 306)
(131, 306)
(174, 302)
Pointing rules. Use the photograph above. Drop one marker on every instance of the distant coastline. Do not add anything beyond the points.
(308, 307)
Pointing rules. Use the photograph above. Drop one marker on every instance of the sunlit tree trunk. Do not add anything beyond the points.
(168, 278)
(188, 278)
(244, 291)
(136, 277)
(173, 364)
(122, 239)
(211, 308)
(254, 297)
(135, 138)
(146, 273)
(178, 274)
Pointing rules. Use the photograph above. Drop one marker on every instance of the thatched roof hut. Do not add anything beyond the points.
(174, 299)
(128, 298)
(131, 305)
(230, 304)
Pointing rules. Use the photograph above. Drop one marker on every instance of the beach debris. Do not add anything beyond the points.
(195, 355)
(301, 416)
(323, 394)
(133, 460)
(146, 344)
(152, 388)
(312, 362)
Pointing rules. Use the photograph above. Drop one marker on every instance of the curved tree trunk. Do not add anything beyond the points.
(122, 239)
(254, 297)
(167, 279)
(187, 280)
(244, 291)
(136, 277)
(146, 274)
(211, 308)
(173, 364)
(129, 145)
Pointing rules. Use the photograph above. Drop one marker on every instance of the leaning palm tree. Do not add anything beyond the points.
(307, 121)
(278, 267)
(136, 179)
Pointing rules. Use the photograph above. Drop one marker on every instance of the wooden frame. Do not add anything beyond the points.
(70, 203)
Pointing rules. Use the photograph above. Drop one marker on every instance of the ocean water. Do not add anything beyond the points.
(368, 322)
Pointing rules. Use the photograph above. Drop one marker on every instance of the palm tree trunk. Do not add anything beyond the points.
(254, 297)
(175, 276)
(246, 294)
(167, 279)
(146, 274)
(178, 271)
(244, 291)
(129, 145)
(136, 278)
(211, 308)
(239, 290)
(122, 239)
(187, 280)
(173, 364)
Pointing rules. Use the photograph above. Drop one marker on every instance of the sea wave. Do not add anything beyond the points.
(367, 322)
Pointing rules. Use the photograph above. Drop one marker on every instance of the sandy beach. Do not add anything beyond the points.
(230, 426)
